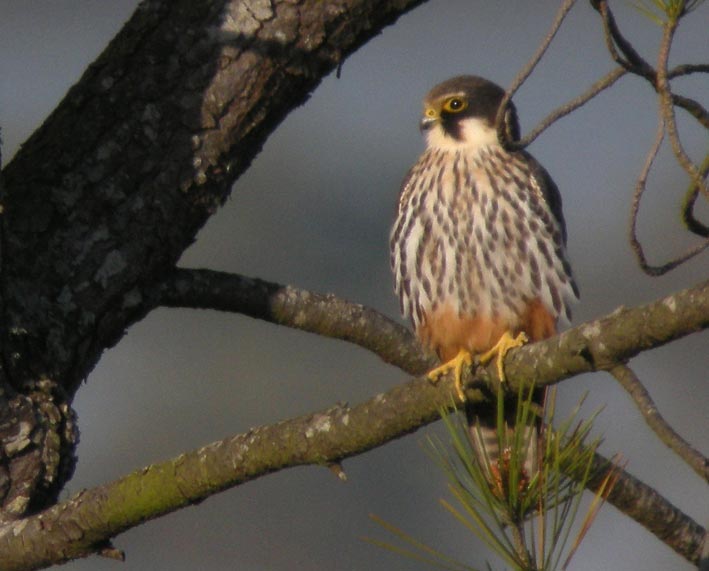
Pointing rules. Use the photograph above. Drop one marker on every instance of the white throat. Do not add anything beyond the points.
(476, 134)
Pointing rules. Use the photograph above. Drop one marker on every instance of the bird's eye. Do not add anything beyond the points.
(455, 105)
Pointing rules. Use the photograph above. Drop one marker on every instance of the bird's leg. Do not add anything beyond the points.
(456, 364)
(500, 349)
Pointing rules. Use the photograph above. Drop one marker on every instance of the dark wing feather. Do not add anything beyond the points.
(549, 190)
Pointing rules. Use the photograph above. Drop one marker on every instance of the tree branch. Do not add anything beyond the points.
(688, 69)
(667, 108)
(603, 83)
(690, 199)
(324, 314)
(96, 515)
(105, 196)
(634, 63)
(78, 264)
(640, 186)
(101, 201)
(627, 378)
(593, 346)
(73, 528)
(631, 59)
(524, 73)
(597, 345)
(669, 524)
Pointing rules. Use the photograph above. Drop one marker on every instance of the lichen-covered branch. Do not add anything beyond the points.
(601, 344)
(645, 505)
(324, 314)
(71, 529)
(593, 346)
(74, 528)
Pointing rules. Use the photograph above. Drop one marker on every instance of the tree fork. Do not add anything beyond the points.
(102, 199)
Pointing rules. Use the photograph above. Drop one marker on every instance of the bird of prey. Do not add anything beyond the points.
(478, 245)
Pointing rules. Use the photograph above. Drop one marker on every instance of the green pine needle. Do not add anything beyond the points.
(525, 519)
(661, 11)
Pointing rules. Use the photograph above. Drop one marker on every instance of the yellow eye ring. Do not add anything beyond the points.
(455, 105)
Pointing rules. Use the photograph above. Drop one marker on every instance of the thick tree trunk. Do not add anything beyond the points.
(101, 201)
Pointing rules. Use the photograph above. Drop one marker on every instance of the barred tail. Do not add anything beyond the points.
(495, 462)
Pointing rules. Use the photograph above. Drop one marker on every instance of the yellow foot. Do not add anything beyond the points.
(456, 364)
(500, 349)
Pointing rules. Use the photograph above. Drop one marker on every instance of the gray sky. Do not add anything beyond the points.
(314, 211)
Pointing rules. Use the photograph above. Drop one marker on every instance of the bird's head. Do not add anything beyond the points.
(460, 113)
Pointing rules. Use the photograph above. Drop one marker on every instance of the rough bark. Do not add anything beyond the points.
(101, 201)
(103, 198)
(75, 528)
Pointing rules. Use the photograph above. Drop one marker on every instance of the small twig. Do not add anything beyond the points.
(603, 83)
(520, 546)
(667, 108)
(108, 551)
(525, 72)
(694, 225)
(634, 63)
(640, 187)
(631, 59)
(694, 108)
(338, 471)
(642, 399)
(687, 69)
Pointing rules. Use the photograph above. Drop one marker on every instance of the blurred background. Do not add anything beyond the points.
(314, 211)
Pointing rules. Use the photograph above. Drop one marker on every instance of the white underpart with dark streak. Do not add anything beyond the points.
(506, 248)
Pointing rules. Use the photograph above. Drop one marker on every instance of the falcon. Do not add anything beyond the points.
(478, 244)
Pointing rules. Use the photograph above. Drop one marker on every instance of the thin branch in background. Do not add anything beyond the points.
(634, 63)
(642, 399)
(640, 187)
(688, 69)
(694, 225)
(631, 59)
(667, 108)
(600, 85)
(694, 108)
(522, 76)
